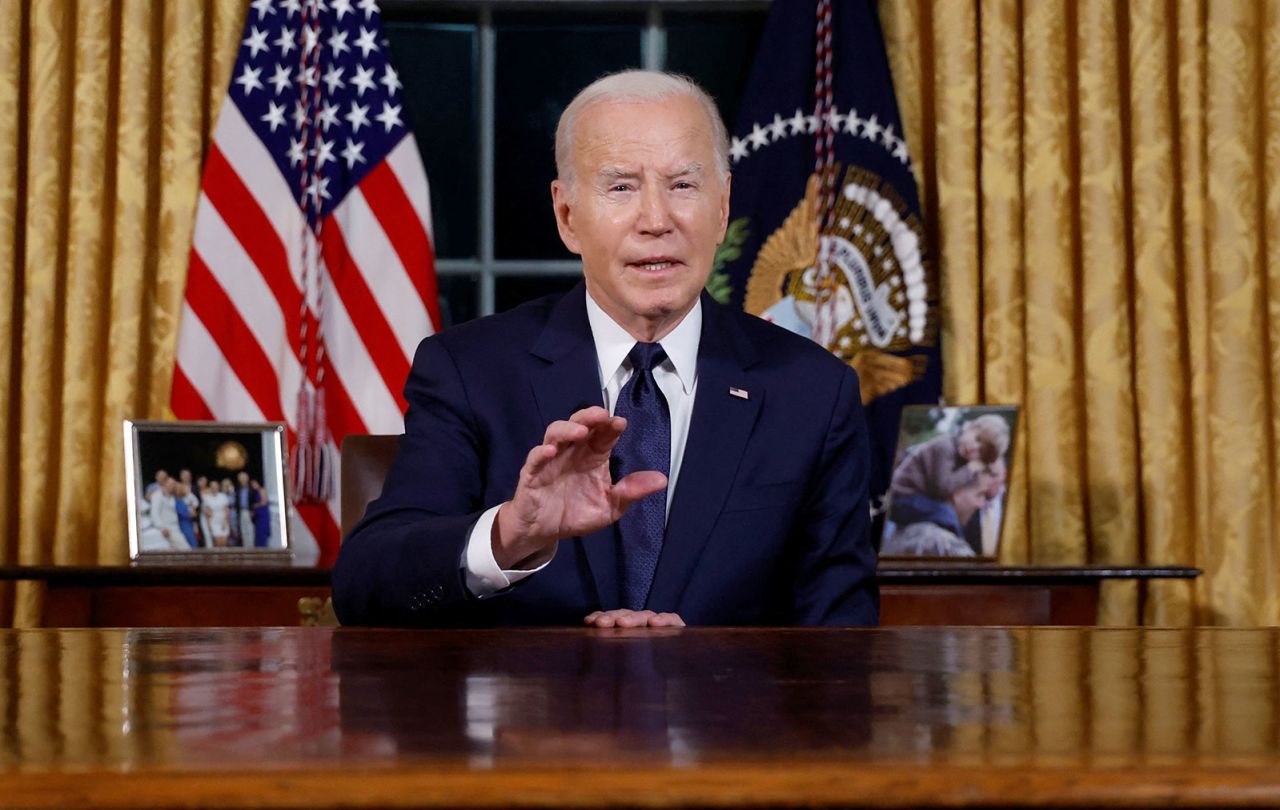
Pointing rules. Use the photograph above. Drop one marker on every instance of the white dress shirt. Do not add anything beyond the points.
(677, 378)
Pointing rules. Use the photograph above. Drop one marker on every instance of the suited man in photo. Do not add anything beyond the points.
(629, 453)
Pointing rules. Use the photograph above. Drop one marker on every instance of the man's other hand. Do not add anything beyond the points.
(565, 489)
(632, 618)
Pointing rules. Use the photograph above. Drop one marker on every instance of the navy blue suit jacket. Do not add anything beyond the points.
(768, 522)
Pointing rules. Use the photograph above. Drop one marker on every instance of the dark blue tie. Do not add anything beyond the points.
(644, 445)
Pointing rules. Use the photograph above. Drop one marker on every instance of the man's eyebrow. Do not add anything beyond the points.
(616, 173)
(692, 168)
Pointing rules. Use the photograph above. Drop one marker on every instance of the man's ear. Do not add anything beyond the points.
(724, 207)
(562, 205)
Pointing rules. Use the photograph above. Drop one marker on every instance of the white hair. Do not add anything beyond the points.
(636, 85)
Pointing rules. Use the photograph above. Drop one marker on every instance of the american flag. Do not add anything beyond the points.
(313, 191)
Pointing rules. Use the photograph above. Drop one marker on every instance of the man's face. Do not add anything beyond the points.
(648, 209)
(243, 478)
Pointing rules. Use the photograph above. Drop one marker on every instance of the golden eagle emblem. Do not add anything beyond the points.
(864, 307)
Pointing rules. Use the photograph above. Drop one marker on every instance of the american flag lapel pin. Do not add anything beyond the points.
(740, 393)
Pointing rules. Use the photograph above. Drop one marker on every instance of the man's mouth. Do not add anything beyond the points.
(653, 263)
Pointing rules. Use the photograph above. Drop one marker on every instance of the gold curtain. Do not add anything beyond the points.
(109, 109)
(1102, 180)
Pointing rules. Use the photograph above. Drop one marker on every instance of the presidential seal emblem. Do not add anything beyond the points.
(859, 288)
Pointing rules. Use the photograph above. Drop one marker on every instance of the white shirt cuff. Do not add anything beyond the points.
(480, 570)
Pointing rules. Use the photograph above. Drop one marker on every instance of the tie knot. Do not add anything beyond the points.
(645, 356)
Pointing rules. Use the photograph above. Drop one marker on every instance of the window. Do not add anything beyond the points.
(484, 85)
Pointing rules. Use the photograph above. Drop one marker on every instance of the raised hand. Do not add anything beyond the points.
(565, 489)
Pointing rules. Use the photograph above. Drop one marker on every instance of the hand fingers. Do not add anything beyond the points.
(563, 430)
(632, 618)
(590, 417)
(637, 485)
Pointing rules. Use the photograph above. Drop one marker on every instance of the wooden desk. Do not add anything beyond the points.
(319, 718)
(912, 593)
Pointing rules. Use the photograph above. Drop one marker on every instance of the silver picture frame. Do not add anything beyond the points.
(207, 492)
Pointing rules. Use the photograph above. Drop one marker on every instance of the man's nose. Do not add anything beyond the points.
(655, 214)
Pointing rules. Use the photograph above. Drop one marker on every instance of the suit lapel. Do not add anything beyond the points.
(718, 432)
(570, 381)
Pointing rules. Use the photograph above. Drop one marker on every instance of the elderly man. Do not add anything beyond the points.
(630, 453)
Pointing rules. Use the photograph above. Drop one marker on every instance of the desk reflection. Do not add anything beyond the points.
(214, 700)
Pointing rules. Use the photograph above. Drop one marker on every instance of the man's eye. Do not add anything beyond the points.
(683, 186)
(620, 187)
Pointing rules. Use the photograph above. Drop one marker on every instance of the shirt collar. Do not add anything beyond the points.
(613, 344)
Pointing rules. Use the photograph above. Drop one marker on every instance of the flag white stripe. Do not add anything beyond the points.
(253, 164)
(202, 362)
(406, 163)
(373, 401)
(384, 274)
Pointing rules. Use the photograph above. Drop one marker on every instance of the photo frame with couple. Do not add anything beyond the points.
(950, 481)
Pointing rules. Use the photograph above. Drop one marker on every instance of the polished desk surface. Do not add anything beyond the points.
(312, 717)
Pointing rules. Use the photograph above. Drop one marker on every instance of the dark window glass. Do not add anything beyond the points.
(510, 291)
(542, 63)
(437, 63)
(459, 298)
(715, 49)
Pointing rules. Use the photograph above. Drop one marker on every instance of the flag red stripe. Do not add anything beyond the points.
(255, 233)
(400, 221)
(244, 356)
(185, 399)
(365, 314)
(320, 521)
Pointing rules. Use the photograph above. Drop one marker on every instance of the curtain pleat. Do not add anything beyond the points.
(99, 173)
(1111, 264)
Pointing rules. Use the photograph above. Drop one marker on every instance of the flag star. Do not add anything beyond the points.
(310, 38)
(338, 42)
(342, 8)
(280, 79)
(900, 151)
(274, 116)
(888, 137)
(317, 6)
(256, 41)
(286, 42)
(811, 124)
(352, 153)
(853, 123)
(365, 42)
(369, 7)
(333, 79)
(391, 80)
(778, 129)
(759, 137)
(328, 116)
(835, 119)
(311, 76)
(291, 7)
(363, 80)
(871, 128)
(249, 79)
(317, 188)
(263, 7)
(358, 117)
(738, 149)
(323, 152)
(296, 152)
(797, 122)
(299, 115)
(390, 116)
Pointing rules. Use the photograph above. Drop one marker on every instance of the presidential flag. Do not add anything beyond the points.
(311, 276)
(825, 234)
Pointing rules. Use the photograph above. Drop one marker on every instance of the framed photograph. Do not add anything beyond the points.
(206, 492)
(950, 481)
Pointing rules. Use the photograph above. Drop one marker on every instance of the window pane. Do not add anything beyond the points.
(459, 298)
(511, 291)
(542, 63)
(437, 65)
(715, 49)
